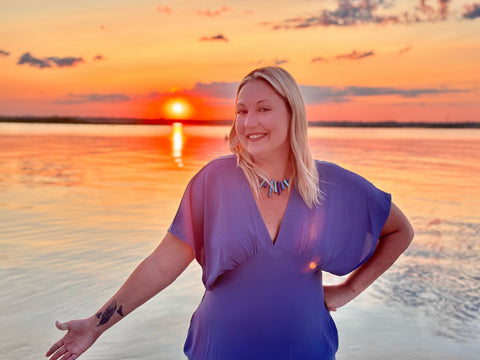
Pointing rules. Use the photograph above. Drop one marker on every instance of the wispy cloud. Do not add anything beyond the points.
(271, 62)
(219, 90)
(313, 95)
(164, 9)
(404, 50)
(279, 62)
(472, 11)
(355, 55)
(48, 62)
(318, 59)
(408, 93)
(218, 37)
(98, 58)
(213, 13)
(4, 53)
(94, 98)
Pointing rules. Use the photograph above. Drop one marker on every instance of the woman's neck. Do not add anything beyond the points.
(276, 168)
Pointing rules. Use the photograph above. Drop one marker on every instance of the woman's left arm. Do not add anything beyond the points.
(395, 237)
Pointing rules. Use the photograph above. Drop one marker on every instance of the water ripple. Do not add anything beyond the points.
(440, 278)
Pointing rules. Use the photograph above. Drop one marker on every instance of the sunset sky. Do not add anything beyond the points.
(354, 60)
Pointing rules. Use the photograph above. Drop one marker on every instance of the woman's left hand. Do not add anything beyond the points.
(336, 296)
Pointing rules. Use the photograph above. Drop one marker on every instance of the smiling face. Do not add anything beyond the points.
(263, 122)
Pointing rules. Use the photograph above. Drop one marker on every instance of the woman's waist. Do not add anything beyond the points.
(265, 296)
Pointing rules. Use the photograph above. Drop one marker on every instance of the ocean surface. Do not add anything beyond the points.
(82, 205)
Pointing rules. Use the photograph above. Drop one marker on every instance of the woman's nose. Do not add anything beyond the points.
(250, 120)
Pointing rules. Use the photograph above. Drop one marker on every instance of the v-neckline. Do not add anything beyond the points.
(273, 242)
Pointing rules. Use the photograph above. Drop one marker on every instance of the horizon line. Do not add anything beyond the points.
(166, 121)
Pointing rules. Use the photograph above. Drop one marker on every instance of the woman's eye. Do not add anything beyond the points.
(263, 109)
(241, 111)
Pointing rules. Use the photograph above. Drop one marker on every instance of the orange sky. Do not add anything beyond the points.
(355, 60)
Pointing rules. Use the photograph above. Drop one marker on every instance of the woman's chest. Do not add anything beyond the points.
(272, 212)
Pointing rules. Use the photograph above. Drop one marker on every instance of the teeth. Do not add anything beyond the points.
(255, 136)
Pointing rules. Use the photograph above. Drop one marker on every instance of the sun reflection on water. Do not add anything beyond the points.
(177, 143)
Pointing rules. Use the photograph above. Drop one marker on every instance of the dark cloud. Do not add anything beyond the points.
(405, 49)
(164, 9)
(319, 95)
(348, 13)
(278, 62)
(98, 58)
(355, 55)
(472, 11)
(4, 53)
(94, 98)
(66, 61)
(318, 59)
(48, 62)
(33, 61)
(358, 12)
(213, 13)
(314, 95)
(218, 37)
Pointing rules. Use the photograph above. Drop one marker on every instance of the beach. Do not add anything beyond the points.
(82, 205)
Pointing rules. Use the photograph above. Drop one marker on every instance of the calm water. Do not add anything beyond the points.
(81, 205)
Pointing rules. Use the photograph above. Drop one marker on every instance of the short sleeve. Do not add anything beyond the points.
(357, 212)
(188, 224)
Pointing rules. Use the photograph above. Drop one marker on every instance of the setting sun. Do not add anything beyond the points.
(178, 109)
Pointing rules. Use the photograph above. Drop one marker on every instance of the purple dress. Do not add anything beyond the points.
(264, 300)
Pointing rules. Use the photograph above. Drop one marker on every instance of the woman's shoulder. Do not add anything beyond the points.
(331, 173)
(326, 168)
(221, 166)
(226, 162)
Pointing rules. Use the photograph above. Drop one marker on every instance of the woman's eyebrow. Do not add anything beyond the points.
(257, 102)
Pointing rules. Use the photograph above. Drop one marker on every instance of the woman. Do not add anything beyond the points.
(263, 224)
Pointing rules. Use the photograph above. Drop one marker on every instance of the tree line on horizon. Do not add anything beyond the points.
(133, 121)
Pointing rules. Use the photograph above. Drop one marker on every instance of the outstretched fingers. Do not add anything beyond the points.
(69, 356)
(54, 347)
(58, 349)
(59, 353)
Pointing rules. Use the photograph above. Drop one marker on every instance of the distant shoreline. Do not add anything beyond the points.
(131, 121)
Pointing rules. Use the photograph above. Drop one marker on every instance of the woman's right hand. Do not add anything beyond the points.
(81, 334)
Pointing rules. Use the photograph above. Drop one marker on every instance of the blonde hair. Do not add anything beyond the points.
(305, 173)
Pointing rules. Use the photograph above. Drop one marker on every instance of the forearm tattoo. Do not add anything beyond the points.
(106, 315)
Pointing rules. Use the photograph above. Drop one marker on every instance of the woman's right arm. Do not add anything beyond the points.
(155, 273)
